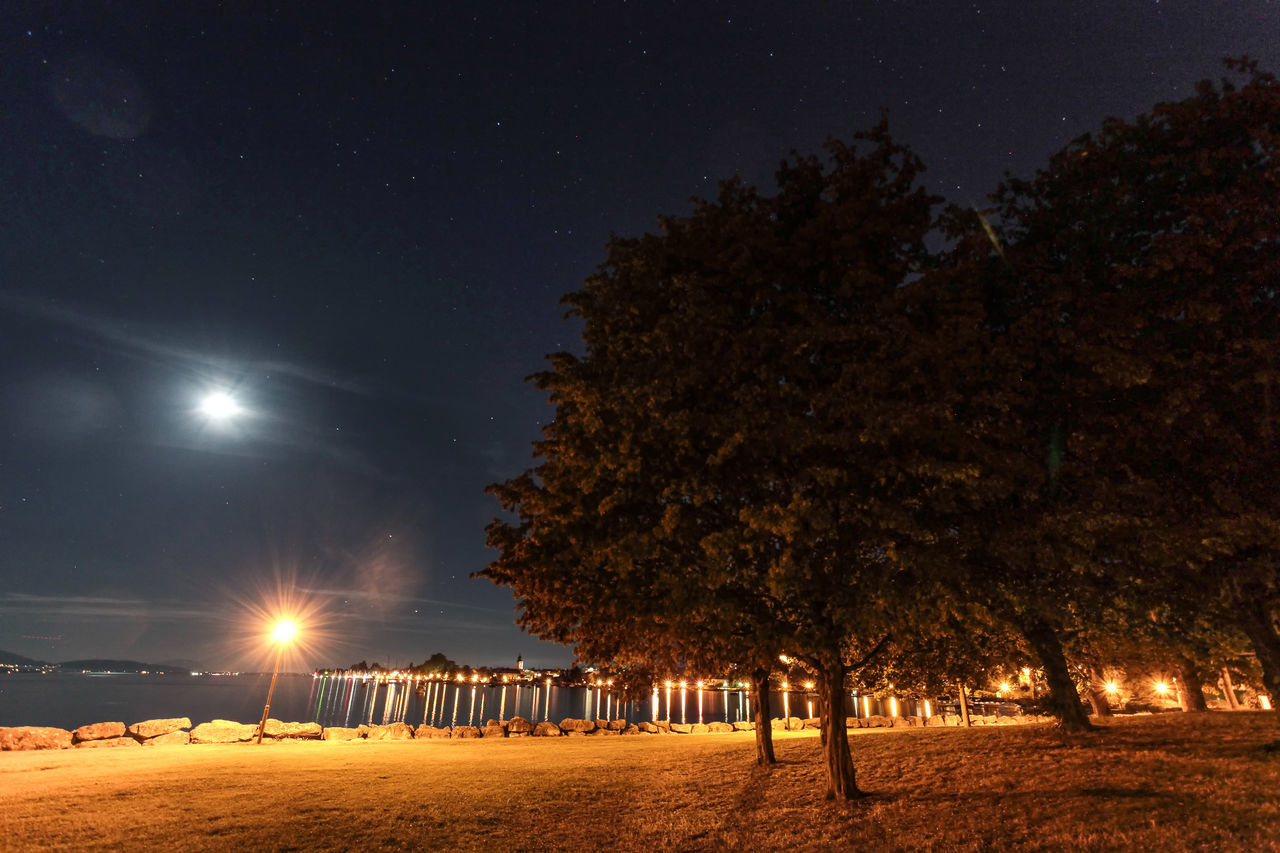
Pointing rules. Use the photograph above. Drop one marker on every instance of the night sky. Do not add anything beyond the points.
(358, 219)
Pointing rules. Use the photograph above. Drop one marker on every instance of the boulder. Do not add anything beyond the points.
(98, 731)
(305, 731)
(33, 737)
(494, 729)
(107, 742)
(519, 726)
(612, 732)
(575, 734)
(778, 724)
(663, 726)
(794, 724)
(223, 731)
(682, 728)
(851, 722)
(631, 730)
(935, 721)
(602, 724)
(571, 725)
(915, 721)
(617, 725)
(154, 728)
(424, 731)
(812, 723)
(719, 728)
(465, 732)
(700, 729)
(875, 721)
(899, 722)
(744, 726)
(177, 738)
(546, 729)
(340, 733)
(391, 731)
(649, 728)
(362, 730)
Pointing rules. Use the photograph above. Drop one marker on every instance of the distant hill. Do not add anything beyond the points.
(12, 659)
(99, 665)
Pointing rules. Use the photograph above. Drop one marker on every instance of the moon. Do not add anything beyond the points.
(219, 406)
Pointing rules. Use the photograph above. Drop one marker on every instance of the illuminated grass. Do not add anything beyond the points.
(1168, 782)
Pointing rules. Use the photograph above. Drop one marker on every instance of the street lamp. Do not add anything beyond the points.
(283, 633)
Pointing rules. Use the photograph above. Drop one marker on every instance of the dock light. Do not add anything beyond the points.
(284, 632)
(668, 684)
(1005, 687)
(1112, 687)
(1162, 688)
(808, 685)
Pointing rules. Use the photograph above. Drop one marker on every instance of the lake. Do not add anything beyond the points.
(69, 700)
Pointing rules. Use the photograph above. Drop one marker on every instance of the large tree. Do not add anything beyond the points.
(739, 453)
(1137, 284)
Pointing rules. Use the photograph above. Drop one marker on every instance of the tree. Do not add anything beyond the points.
(723, 467)
(1142, 269)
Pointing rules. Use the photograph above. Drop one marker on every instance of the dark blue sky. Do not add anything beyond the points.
(359, 218)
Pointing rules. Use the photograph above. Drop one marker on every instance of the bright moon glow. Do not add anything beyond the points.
(284, 631)
(219, 406)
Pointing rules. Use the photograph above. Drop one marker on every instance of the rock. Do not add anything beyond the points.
(424, 731)
(519, 725)
(899, 722)
(155, 728)
(575, 734)
(107, 742)
(307, 731)
(546, 729)
(744, 726)
(812, 723)
(699, 729)
(794, 724)
(223, 731)
(875, 721)
(915, 721)
(340, 733)
(362, 730)
(631, 730)
(681, 728)
(571, 725)
(98, 731)
(649, 728)
(465, 732)
(851, 722)
(719, 728)
(391, 731)
(494, 729)
(935, 721)
(602, 724)
(664, 726)
(33, 737)
(177, 738)
(617, 725)
(612, 732)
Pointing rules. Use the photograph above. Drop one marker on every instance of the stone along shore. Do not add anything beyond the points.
(179, 731)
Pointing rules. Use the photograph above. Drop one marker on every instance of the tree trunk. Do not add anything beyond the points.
(1192, 688)
(764, 721)
(841, 783)
(1259, 627)
(1098, 693)
(1229, 690)
(964, 706)
(1064, 700)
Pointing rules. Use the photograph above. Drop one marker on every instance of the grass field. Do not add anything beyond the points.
(1164, 783)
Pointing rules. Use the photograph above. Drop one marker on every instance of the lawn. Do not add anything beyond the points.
(1167, 782)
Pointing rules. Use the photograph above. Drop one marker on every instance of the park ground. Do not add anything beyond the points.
(1166, 782)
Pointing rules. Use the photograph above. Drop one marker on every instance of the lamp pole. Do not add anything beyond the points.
(283, 633)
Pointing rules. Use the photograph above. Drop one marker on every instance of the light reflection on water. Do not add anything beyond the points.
(351, 700)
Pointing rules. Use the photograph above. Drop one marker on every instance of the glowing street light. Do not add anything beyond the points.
(283, 633)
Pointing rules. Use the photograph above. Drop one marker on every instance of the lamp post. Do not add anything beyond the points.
(283, 633)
